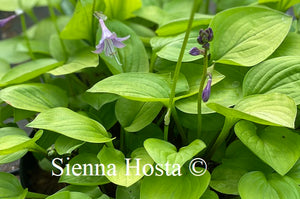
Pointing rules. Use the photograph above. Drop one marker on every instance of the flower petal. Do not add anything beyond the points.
(99, 48)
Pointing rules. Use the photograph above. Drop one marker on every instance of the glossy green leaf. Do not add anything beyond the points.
(125, 174)
(180, 23)
(256, 185)
(174, 187)
(139, 86)
(226, 4)
(238, 160)
(9, 53)
(34, 97)
(282, 5)
(92, 191)
(15, 143)
(69, 195)
(163, 152)
(28, 70)
(10, 187)
(261, 109)
(121, 9)
(12, 5)
(278, 75)
(246, 36)
(97, 100)
(278, 147)
(132, 192)
(169, 47)
(83, 58)
(289, 47)
(83, 170)
(133, 56)
(208, 194)
(134, 116)
(295, 172)
(65, 145)
(37, 46)
(4, 67)
(83, 15)
(71, 124)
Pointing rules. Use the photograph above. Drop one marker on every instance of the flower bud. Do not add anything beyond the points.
(206, 91)
(196, 51)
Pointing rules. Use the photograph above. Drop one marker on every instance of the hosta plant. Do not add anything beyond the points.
(150, 99)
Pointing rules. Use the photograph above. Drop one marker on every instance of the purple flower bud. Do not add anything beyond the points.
(205, 36)
(206, 46)
(196, 51)
(206, 91)
(210, 34)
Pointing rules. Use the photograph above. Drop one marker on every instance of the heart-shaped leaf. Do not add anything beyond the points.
(174, 187)
(10, 187)
(71, 124)
(256, 185)
(260, 109)
(278, 147)
(246, 36)
(126, 174)
(139, 86)
(34, 97)
(163, 152)
(28, 70)
(89, 175)
(280, 75)
(65, 145)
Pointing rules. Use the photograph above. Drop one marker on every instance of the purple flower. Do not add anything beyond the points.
(206, 91)
(109, 41)
(7, 19)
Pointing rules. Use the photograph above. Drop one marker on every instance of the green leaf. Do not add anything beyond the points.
(132, 192)
(180, 23)
(134, 116)
(261, 109)
(258, 186)
(133, 56)
(65, 145)
(28, 70)
(81, 24)
(9, 51)
(97, 100)
(289, 47)
(163, 152)
(139, 86)
(5, 67)
(246, 36)
(10, 187)
(121, 9)
(15, 143)
(125, 174)
(34, 97)
(87, 171)
(278, 75)
(208, 194)
(92, 191)
(81, 59)
(282, 5)
(237, 161)
(174, 187)
(278, 147)
(295, 172)
(12, 5)
(169, 47)
(69, 195)
(71, 124)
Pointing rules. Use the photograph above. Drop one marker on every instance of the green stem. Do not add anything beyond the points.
(53, 18)
(229, 122)
(39, 149)
(24, 29)
(166, 132)
(152, 61)
(203, 79)
(35, 195)
(178, 65)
